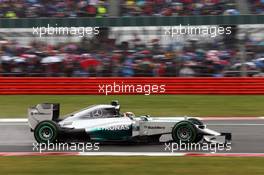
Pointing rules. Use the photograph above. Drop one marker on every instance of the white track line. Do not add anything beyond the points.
(13, 120)
(238, 124)
(13, 123)
(131, 154)
(230, 118)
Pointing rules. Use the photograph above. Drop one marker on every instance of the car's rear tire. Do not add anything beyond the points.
(46, 131)
(184, 132)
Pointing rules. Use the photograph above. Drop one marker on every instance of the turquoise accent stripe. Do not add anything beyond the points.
(100, 134)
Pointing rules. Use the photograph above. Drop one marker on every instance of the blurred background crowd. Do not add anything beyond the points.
(105, 8)
(137, 55)
(178, 7)
(123, 51)
(55, 8)
(257, 6)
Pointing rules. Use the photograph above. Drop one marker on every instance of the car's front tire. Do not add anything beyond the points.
(46, 131)
(184, 132)
(195, 121)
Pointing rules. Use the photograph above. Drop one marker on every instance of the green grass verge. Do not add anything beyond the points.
(131, 165)
(167, 105)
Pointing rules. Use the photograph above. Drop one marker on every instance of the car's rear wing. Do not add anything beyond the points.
(41, 112)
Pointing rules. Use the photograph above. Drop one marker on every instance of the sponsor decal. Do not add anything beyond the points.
(154, 127)
(115, 128)
(97, 113)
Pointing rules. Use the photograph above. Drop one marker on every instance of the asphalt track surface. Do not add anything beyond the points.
(247, 137)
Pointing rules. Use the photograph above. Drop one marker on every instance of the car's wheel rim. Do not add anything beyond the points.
(46, 133)
(184, 133)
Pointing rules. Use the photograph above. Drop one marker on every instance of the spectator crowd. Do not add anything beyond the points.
(55, 8)
(257, 6)
(178, 7)
(128, 59)
(100, 8)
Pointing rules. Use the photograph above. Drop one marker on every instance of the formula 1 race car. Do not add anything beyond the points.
(104, 122)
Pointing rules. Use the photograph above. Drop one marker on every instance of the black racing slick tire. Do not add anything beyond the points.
(195, 121)
(46, 131)
(184, 132)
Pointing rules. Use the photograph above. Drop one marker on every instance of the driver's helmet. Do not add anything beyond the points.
(129, 114)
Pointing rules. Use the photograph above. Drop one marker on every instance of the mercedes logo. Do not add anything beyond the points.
(97, 113)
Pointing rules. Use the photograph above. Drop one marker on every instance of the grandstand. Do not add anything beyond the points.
(114, 8)
(132, 39)
(133, 51)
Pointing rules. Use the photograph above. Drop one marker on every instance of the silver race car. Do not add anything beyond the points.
(104, 122)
